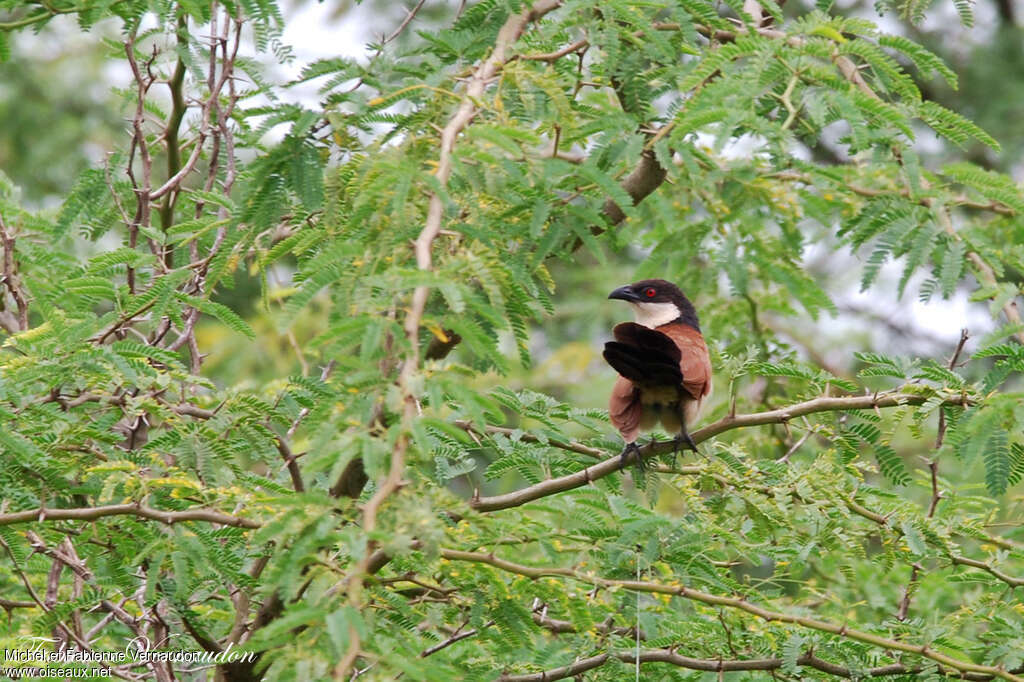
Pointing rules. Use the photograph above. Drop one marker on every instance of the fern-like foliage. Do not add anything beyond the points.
(321, 382)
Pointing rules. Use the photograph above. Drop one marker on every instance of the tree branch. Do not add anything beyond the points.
(612, 465)
(71, 633)
(726, 423)
(93, 513)
(457, 636)
(933, 468)
(507, 35)
(739, 603)
(639, 184)
(720, 665)
(11, 281)
(291, 463)
(984, 272)
(410, 15)
(171, 131)
(549, 57)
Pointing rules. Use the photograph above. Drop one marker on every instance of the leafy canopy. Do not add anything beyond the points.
(370, 476)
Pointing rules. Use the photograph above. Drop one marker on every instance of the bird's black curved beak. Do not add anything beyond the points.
(624, 294)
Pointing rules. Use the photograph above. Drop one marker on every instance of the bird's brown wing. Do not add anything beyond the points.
(624, 409)
(694, 361)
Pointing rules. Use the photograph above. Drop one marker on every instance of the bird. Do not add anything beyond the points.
(663, 364)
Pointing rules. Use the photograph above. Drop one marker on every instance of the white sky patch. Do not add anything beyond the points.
(934, 324)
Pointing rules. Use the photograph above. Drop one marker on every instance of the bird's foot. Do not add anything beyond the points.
(624, 456)
(683, 439)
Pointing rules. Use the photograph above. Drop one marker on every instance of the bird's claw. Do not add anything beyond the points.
(624, 456)
(680, 440)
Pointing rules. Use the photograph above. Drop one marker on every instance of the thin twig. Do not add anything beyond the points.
(94, 513)
(405, 22)
(933, 469)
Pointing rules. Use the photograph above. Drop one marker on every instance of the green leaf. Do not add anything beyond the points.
(997, 464)
(952, 266)
(952, 125)
(891, 465)
(223, 313)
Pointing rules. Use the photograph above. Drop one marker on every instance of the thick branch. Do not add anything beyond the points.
(645, 178)
(727, 423)
(173, 128)
(984, 566)
(852, 505)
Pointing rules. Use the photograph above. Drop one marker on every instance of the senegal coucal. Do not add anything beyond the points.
(663, 363)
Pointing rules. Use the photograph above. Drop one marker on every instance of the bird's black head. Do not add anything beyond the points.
(657, 302)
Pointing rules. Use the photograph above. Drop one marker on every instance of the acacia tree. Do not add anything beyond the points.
(410, 501)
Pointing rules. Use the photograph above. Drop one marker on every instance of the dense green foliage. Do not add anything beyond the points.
(369, 476)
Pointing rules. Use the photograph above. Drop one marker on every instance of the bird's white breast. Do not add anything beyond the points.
(654, 314)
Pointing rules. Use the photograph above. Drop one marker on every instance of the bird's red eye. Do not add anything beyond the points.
(649, 292)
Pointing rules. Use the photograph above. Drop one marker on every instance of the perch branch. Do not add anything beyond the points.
(778, 416)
